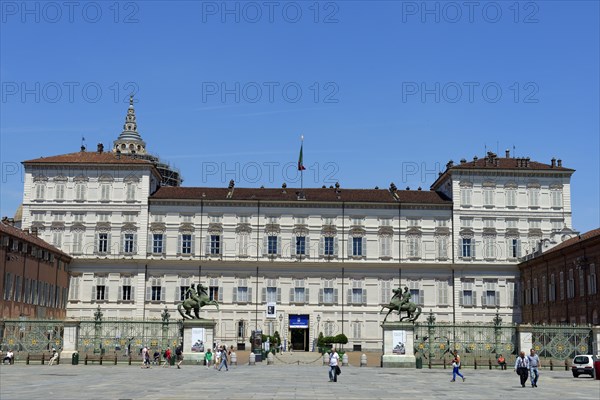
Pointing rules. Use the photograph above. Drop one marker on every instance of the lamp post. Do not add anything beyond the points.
(318, 322)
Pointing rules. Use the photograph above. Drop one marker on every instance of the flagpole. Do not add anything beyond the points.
(302, 169)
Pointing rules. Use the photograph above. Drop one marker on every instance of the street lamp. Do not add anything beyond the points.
(281, 323)
(318, 322)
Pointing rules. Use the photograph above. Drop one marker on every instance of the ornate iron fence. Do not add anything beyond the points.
(32, 336)
(561, 342)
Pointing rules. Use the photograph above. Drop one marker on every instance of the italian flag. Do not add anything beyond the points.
(300, 160)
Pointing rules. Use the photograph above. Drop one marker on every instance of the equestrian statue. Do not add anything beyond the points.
(195, 299)
(401, 302)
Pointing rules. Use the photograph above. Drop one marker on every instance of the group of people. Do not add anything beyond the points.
(222, 358)
(167, 355)
(528, 366)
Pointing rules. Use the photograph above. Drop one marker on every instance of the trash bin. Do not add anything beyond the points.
(75, 358)
(597, 369)
(419, 363)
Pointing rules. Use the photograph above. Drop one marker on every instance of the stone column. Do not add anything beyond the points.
(398, 345)
(196, 357)
(525, 338)
(70, 340)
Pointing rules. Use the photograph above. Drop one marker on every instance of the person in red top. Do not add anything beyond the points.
(167, 358)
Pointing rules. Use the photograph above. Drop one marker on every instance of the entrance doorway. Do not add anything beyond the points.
(299, 339)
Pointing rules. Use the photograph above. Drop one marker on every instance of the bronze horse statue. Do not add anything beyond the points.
(412, 310)
(198, 299)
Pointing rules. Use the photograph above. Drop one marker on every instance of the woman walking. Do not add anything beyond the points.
(456, 367)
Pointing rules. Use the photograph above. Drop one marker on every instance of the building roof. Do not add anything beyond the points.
(89, 157)
(32, 239)
(310, 194)
(574, 240)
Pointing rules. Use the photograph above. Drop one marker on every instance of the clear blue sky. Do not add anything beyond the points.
(387, 88)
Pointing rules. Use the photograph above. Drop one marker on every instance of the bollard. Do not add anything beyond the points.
(326, 359)
(551, 365)
(363, 360)
(566, 366)
(345, 360)
(252, 359)
(475, 363)
(233, 358)
(490, 363)
(270, 359)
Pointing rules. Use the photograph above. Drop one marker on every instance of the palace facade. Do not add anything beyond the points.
(327, 259)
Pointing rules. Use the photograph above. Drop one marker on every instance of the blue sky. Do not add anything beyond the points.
(379, 89)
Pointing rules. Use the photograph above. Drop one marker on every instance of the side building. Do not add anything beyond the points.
(34, 275)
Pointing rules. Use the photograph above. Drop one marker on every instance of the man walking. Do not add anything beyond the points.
(534, 364)
(522, 367)
(179, 355)
(224, 356)
(334, 359)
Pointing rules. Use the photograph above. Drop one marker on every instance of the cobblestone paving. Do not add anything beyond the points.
(279, 382)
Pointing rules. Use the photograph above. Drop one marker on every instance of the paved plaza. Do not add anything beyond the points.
(279, 382)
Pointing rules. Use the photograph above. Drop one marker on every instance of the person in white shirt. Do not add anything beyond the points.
(334, 359)
(54, 357)
(8, 357)
(522, 367)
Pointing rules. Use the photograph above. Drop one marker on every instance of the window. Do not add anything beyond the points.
(413, 246)
(490, 297)
(556, 198)
(514, 250)
(181, 292)
(298, 293)
(416, 295)
(488, 197)
(80, 191)
(102, 242)
(385, 221)
(273, 220)
(357, 295)
(466, 222)
(467, 248)
(511, 224)
(78, 217)
(358, 246)
(328, 221)
(561, 285)
(105, 192)
(489, 223)
(557, 224)
(534, 197)
(215, 219)
(534, 292)
(73, 288)
(186, 219)
(271, 294)
(100, 291)
(581, 283)
(489, 247)
(155, 292)
(57, 238)
(8, 281)
(570, 285)
(468, 298)
(158, 243)
(300, 220)
(329, 295)
(215, 244)
(130, 217)
(465, 197)
(328, 328)
(130, 194)
(243, 240)
(543, 288)
(442, 292)
(442, 247)
(511, 197)
(356, 331)
(103, 217)
(59, 191)
(243, 293)
(442, 223)
(77, 242)
(328, 246)
(385, 246)
(552, 289)
(357, 221)
(126, 293)
(413, 222)
(40, 191)
(186, 243)
(300, 245)
(129, 243)
(244, 219)
(272, 245)
(386, 291)
(38, 216)
(213, 292)
(592, 289)
(535, 224)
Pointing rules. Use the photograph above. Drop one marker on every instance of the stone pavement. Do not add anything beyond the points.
(279, 382)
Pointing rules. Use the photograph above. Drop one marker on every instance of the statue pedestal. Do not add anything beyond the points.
(398, 345)
(194, 331)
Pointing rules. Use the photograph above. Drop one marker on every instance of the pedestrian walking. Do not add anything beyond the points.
(334, 360)
(224, 356)
(218, 357)
(522, 367)
(534, 364)
(179, 355)
(456, 367)
(167, 356)
(208, 358)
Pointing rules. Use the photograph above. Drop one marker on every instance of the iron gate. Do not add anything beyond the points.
(32, 336)
(561, 342)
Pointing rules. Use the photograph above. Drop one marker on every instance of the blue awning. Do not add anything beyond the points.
(298, 321)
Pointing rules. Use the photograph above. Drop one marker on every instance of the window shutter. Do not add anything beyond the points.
(518, 248)
(364, 246)
(306, 296)
(179, 244)
(483, 300)
(106, 292)
(294, 246)
(264, 295)
(349, 298)
(177, 296)
(120, 293)
(460, 297)
(235, 290)
(163, 293)
(497, 298)
(193, 245)
(133, 293)
(320, 296)
(364, 296)
(135, 236)
(474, 296)
(122, 242)
(421, 297)
(265, 250)
(321, 246)
(279, 295)
(96, 239)
(278, 245)
(109, 248)
(473, 248)
(221, 294)
(350, 248)
(249, 294)
(93, 293)
(150, 243)
(292, 298)
(335, 296)
(148, 293)
(335, 246)
(207, 245)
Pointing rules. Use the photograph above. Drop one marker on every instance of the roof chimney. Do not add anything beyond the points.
(100, 148)
(507, 153)
(34, 231)
(559, 163)
(82, 148)
(475, 158)
(553, 162)
(462, 161)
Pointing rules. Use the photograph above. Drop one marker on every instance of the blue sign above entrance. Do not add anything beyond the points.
(298, 321)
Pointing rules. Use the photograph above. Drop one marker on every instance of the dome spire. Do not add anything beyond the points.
(130, 141)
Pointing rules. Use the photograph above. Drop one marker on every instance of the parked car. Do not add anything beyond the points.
(583, 364)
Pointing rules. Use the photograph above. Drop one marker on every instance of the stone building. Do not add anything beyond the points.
(560, 285)
(327, 259)
(34, 275)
